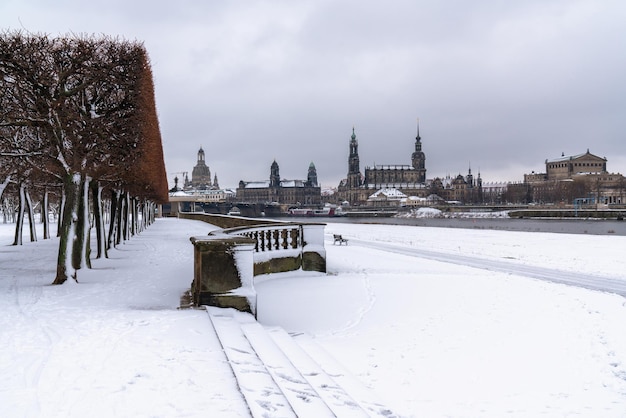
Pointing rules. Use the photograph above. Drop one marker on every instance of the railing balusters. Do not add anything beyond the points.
(268, 240)
(276, 233)
(294, 238)
(283, 238)
(274, 238)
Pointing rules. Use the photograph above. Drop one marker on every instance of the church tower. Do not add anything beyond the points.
(418, 158)
(201, 175)
(470, 178)
(312, 175)
(354, 171)
(274, 175)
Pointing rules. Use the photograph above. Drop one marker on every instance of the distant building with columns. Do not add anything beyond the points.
(582, 176)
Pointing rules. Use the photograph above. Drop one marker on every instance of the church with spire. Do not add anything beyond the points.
(398, 180)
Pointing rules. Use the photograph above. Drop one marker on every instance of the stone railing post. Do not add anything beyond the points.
(313, 250)
(223, 272)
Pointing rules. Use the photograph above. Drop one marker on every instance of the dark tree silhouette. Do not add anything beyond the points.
(90, 103)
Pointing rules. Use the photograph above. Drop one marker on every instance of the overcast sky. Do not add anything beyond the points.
(501, 85)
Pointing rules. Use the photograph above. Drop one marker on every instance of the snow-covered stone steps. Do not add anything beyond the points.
(262, 394)
(364, 397)
(281, 376)
(337, 399)
(303, 398)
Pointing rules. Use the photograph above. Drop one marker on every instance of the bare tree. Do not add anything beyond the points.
(85, 96)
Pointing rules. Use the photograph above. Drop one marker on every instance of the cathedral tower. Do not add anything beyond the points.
(418, 158)
(354, 171)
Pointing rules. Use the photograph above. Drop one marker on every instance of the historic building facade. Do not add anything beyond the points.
(200, 177)
(201, 174)
(380, 181)
(288, 192)
(568, 178)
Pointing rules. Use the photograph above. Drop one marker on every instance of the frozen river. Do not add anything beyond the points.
(568, 226)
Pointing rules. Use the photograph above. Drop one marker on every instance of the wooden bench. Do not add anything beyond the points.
(339, 239)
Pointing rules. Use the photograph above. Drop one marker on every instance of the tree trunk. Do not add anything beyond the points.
(4, 185)
(31, 217)
(134, 227)
(144, 214)
(127, 211)
(96, 190)
(145, 221)
(44, 215)
(153, 208)
(19, 225)
(120, 219)
(81, 248)
(112, 219)
(61, 211)
(68, 219)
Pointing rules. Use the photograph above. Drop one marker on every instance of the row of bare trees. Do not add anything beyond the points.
(78, 115)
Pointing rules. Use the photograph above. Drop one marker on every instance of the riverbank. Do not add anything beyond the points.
(553, 225)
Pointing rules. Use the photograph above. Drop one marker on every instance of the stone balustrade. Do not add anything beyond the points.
(285, 246)
(226, 260)
(273, 237)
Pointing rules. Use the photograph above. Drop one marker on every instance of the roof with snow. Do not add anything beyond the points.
(292, 183)
(179, 193)
(391, 194)
(257, 184)
(265, 184)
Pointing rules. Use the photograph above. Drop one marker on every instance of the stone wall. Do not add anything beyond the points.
(226, 260)
(223, 221)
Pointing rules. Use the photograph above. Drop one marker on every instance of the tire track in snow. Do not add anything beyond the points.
(587, 281)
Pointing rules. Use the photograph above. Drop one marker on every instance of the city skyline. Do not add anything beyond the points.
(500, 86)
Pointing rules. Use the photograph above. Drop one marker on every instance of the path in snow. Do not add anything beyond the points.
(606, 284)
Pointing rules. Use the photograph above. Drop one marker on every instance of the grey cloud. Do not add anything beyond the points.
(500, 85)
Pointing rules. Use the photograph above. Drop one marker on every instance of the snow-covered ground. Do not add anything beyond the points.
(431, 338)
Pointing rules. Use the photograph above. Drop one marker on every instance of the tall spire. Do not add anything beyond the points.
(354, 171)
(418, 139)
(418, 158)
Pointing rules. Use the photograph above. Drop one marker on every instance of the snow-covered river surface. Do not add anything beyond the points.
(486, 220)
(439, 322)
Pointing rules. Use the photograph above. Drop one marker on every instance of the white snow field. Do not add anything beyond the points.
(437, 322)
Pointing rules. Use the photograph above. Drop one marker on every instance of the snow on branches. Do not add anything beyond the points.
(77, 111)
